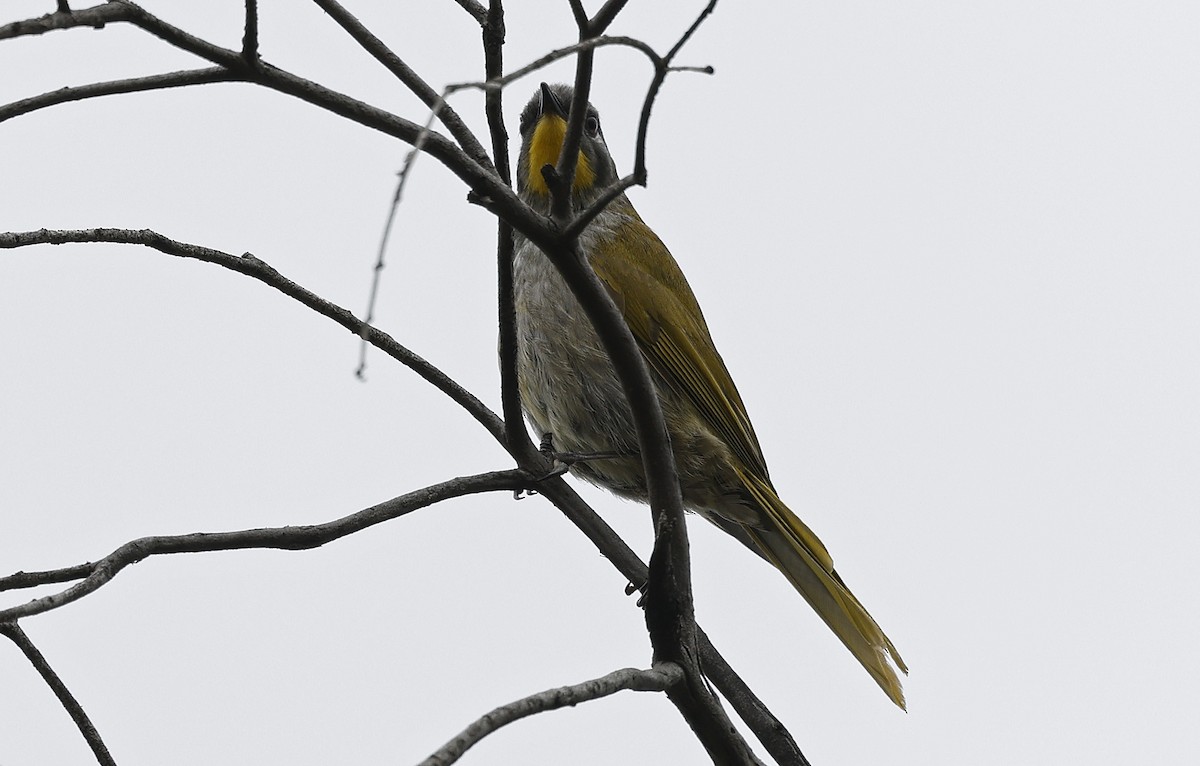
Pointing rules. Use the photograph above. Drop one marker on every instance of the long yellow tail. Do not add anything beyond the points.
(795, 550)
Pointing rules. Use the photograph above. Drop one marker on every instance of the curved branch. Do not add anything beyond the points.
(65, 698)
(282, 538)
(377, 273)
(661, 69)
(498, 82)
(253, 267)
(113, 87)
(659, 678)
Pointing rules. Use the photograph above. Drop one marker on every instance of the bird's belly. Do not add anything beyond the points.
(570, 390)
(568, 386)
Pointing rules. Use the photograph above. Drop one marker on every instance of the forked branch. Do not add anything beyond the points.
(659, 678)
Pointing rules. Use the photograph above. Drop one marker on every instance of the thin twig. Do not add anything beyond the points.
(14, 633)
(112, 87)
(498, 82)
(588, 214)
(377, 273)
(659, 678)
(661, 70)
(294, 538)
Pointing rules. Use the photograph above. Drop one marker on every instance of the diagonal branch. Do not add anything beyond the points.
(476, 9)
(65, 698)
(659, 678)
(769, 730)
(497, 82)
(394, 64)
(253, 267)
(282, 538)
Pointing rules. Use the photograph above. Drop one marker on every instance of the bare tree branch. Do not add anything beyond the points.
(498, 82)
(65, 18)
(253, 267)
(482, 179)
(605, 16)
(112, 87)
(766, 727)
(394, 64)
(283, 538)
(661, 70)
(588, 214)
(656, 679)
(250, 35)
(517, 437)
(477, 11)
(377, 273)
(65, 698)
(20, 580)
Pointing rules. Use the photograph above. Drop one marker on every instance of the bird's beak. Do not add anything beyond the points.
(550, 104)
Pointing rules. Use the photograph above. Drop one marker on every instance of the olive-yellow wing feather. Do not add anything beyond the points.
(665, 319)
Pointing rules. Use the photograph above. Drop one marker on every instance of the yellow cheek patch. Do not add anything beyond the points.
(544, 148)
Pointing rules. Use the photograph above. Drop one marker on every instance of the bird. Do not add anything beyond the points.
(572, 397)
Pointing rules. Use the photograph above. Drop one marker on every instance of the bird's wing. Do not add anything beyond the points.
(648, 287)
(661, 311)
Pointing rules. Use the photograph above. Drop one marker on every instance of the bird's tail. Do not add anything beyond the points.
(793, 548)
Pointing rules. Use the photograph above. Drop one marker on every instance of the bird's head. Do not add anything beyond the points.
(543, 129)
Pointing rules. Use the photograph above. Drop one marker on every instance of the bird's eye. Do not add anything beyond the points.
(591, 126)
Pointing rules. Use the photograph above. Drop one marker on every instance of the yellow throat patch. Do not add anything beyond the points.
(544, 148)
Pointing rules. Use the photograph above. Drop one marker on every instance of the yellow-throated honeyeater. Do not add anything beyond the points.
(570, 391)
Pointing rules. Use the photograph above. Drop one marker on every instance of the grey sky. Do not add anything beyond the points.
(948, 251)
